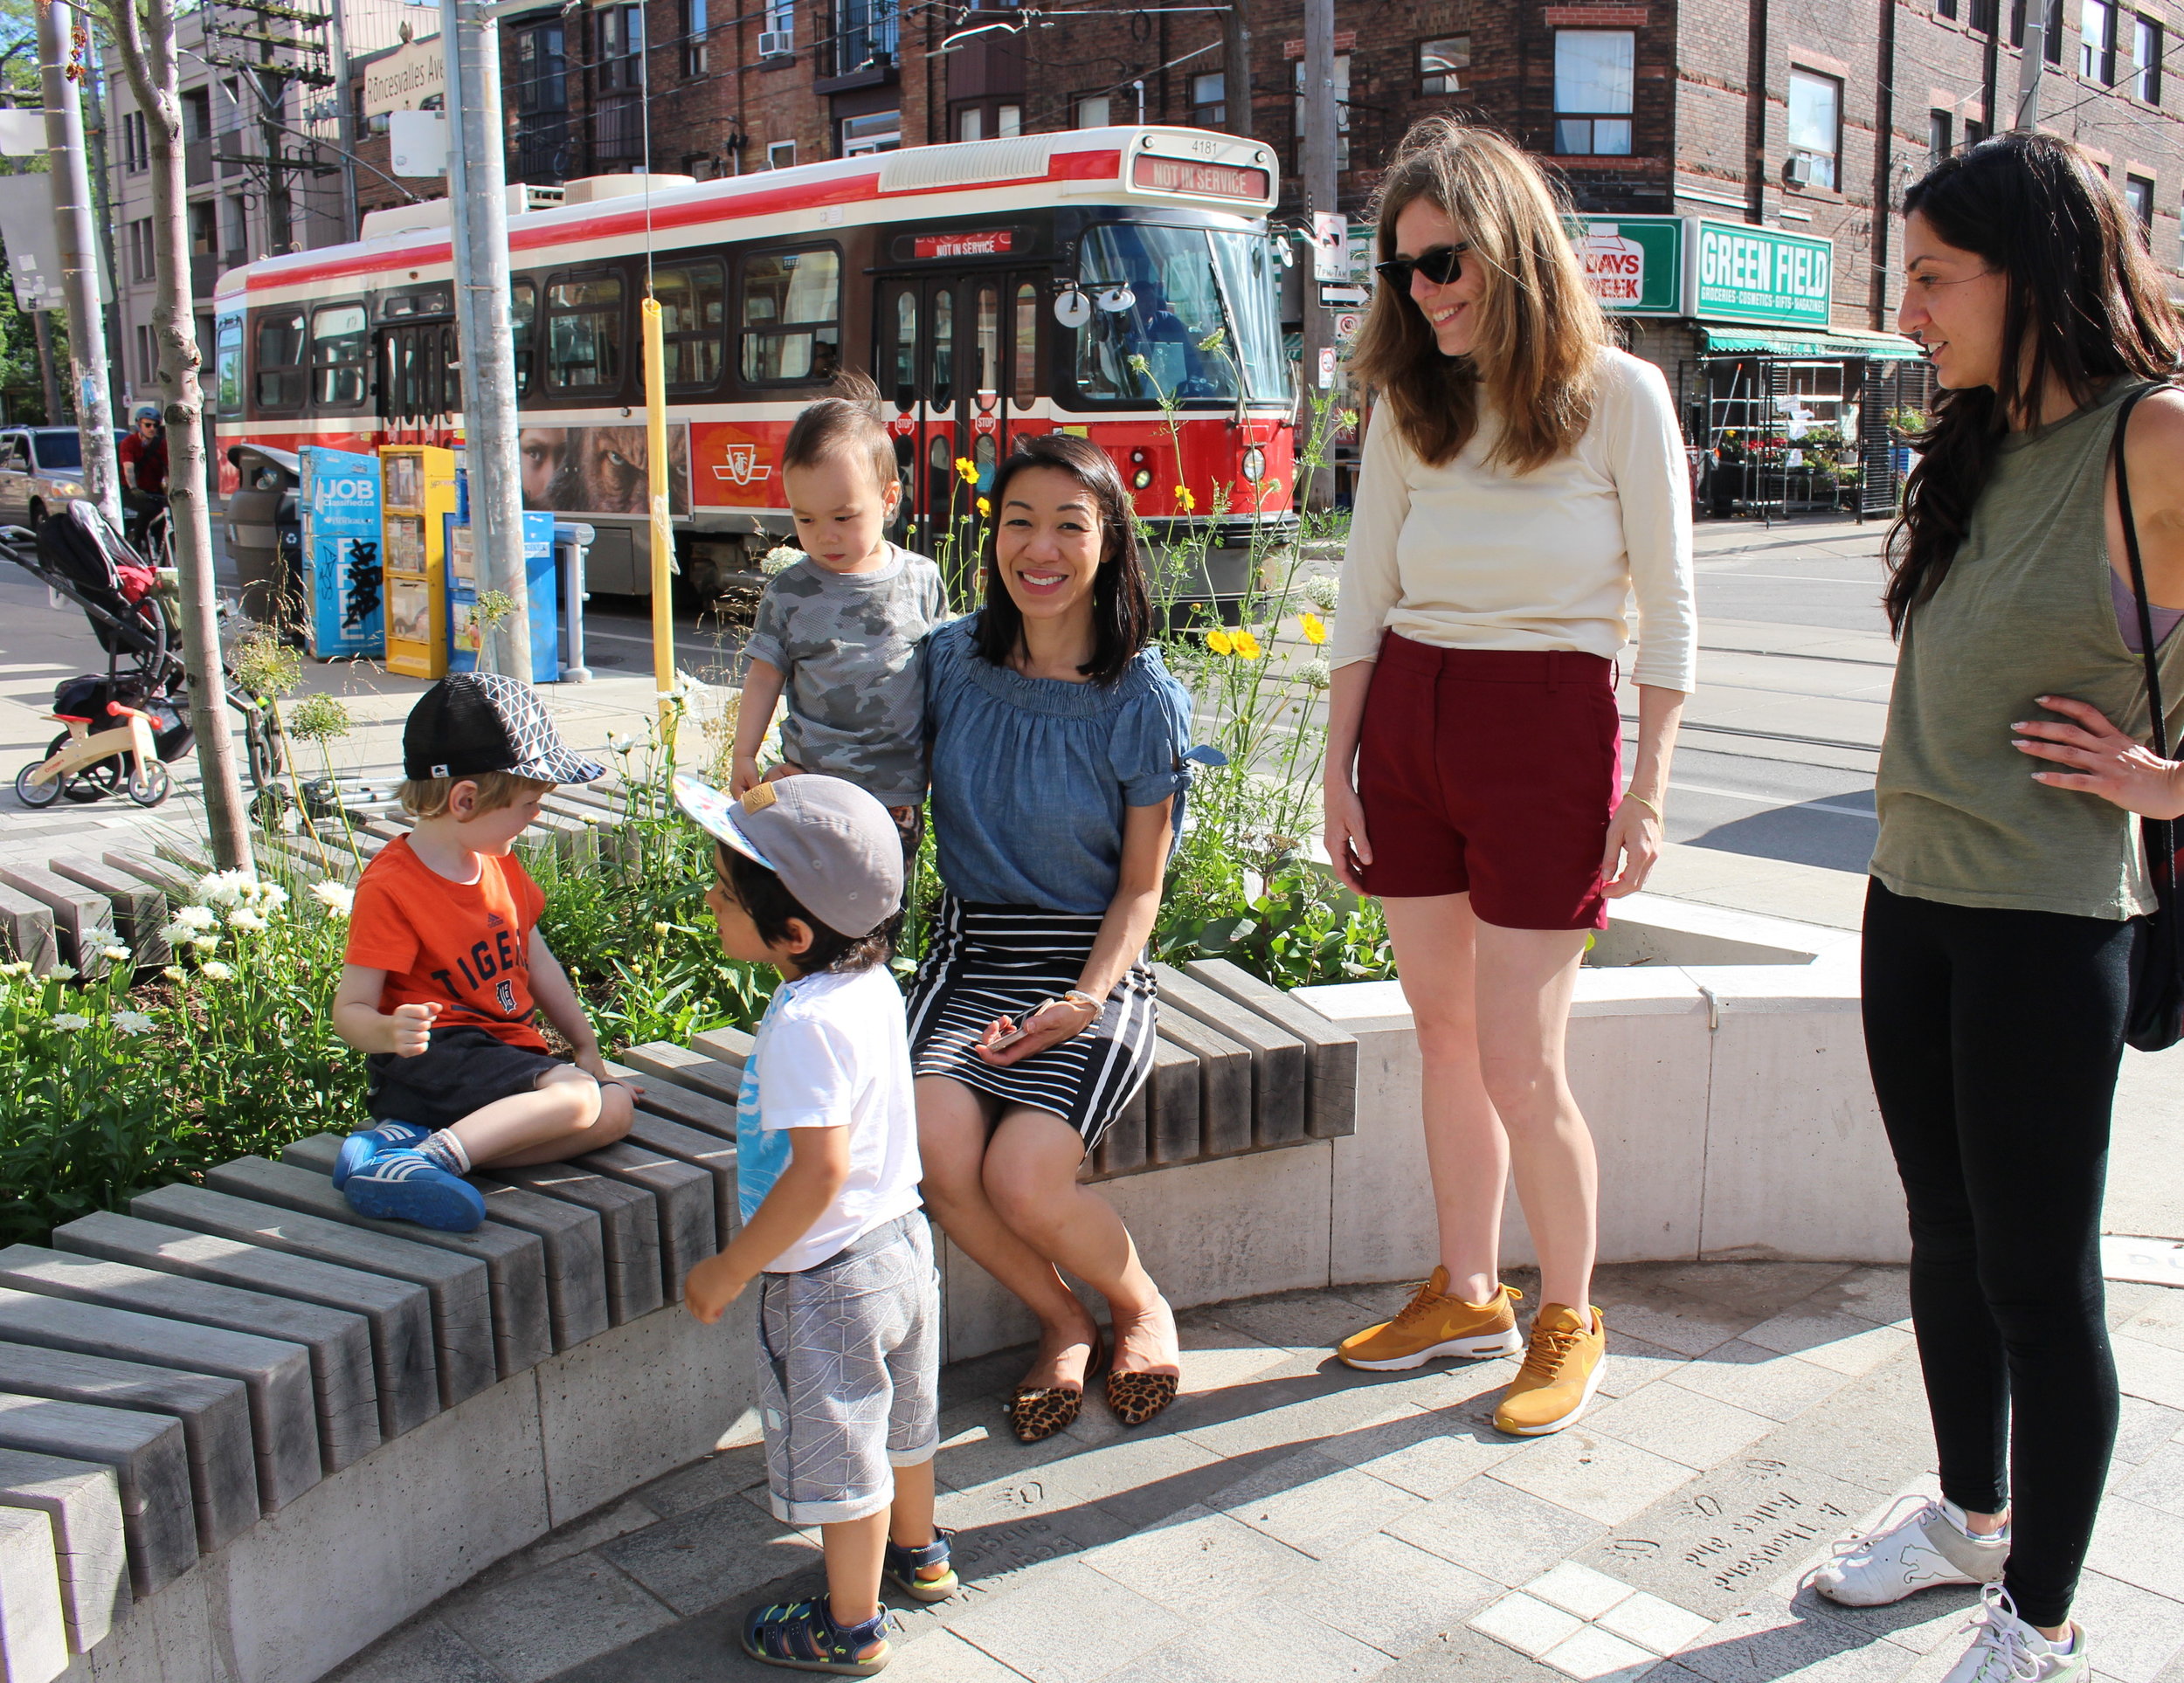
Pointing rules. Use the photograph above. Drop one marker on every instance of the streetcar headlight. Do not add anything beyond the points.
(1141, 478)
(1254, 464)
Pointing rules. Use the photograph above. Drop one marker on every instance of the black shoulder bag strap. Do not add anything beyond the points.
(2155, 1019)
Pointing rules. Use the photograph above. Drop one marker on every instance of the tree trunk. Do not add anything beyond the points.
(146, 44)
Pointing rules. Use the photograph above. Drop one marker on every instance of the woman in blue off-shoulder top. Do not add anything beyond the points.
(1059, 744)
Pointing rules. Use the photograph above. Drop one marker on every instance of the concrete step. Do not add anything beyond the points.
(399, 1314)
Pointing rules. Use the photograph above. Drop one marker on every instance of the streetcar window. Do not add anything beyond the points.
(338, 350)
(905, 379)
(227, 369)
(944, 350)
(791, 308)
(583, 332)
(988, 380)
(1202, 318)
(280, 374)
(1026, 375)
(693, 321)
(522, 317)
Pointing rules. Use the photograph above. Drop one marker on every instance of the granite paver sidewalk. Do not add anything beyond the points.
(1289, 1518)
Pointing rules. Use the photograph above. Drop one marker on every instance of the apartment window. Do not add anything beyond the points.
(694, 53)
(197, 114)
(1594, 73)
(970, 123)
(866, 32)
(340, 348)
(136, 144)
(1092, 111)
(1815, 127)
(694, 322)
(2139, 195)
(141, 249)
(204, 230)
(2052, 46)
(541, 71)
(621, 44)
(147, 356)
(878, 131)
(1974, 132)
(792, 305)
(1342, 109)
(1008, 121)
(2096, 42)
(2145, 59)
(1209, 99)
(583, 333)
(235, 227)
(781, 155)
(280, 371)
(1945, 9)
(1940, 126)
(781, 19)
(1441, 64)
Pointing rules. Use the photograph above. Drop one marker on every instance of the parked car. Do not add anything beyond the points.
(40, 468)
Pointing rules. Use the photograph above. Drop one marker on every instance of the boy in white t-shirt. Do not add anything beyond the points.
(807, 876)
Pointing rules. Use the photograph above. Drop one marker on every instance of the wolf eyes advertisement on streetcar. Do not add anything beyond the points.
(601, 470)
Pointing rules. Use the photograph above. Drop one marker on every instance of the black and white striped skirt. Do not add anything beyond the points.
(1005, 961)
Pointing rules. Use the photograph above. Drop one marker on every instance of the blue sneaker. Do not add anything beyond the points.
(405, 1185)
(360, 1149)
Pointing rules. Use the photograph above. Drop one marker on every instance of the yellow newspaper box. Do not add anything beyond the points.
(417, 494)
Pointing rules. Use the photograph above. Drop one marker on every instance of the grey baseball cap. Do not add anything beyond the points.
(833, 845)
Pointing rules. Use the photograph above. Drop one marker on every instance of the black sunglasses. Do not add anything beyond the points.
(1442, 265)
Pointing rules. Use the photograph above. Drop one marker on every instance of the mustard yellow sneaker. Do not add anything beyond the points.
(1432, 1324)
(1561, 1371)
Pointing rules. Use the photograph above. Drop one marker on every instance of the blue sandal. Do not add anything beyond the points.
(404, 1185)
(802, 1635)
(902, 1566)
(358, 1149)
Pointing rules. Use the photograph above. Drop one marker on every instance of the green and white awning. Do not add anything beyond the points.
(1836, 345)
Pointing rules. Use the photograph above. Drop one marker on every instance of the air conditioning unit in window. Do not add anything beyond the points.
(1797, 171)
(776, 42)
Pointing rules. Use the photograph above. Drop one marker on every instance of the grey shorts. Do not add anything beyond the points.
(849, 1374)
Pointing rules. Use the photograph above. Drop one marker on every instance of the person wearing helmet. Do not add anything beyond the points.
(143, 471)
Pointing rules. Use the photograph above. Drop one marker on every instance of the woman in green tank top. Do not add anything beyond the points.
(1998, 927)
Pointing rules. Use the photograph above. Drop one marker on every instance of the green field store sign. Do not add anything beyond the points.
(1737, 272)
(1634, 263)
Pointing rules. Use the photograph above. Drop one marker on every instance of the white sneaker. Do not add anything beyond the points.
(2007, 1649)
(1899, 1558)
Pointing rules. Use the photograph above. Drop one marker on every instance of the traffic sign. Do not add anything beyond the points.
(1337, 295)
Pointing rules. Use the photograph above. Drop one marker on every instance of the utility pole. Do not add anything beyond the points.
(2032, 66)
(344, 122)
(1236, 66)
(1318, 161)
(43, 322)
(58, 30)
(478, 201)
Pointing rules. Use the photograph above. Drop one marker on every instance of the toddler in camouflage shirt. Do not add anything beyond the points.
(839, 630)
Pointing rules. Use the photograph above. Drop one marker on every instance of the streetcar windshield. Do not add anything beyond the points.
(1202, 318)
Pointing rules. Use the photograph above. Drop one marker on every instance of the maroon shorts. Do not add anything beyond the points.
(1491, 772)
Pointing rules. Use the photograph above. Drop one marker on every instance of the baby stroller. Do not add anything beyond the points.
(123, 725)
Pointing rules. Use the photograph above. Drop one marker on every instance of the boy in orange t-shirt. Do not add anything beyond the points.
(445, 969)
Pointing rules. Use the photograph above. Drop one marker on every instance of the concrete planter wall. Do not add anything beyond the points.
(1719, 1058)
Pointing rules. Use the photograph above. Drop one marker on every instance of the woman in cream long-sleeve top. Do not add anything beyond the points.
(1523, 478)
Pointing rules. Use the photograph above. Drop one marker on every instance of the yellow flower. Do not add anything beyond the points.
(1219, 642)
(1314, 628)
(968, 468)
(1183, 496)
(1247, 645)
(986, 508)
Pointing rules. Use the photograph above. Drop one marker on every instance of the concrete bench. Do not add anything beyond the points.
(33, 1628)
(26, 931)
(88, 1549)
(138, 908)
(151, 1464)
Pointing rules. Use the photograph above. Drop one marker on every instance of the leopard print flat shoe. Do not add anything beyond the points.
(1136, 1398)
(1036, 1415)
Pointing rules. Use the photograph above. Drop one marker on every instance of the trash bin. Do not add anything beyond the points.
(572, 542)
(265, 534)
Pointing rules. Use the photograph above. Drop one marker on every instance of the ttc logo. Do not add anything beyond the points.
(742, 466)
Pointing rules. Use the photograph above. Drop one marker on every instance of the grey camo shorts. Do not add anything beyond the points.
(849, 1374)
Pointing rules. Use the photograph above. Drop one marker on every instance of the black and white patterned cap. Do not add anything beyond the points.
(474, 722)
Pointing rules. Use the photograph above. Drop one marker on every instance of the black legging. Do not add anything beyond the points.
(1995, 1038)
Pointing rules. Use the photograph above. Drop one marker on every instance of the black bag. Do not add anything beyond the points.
(2155, 1019)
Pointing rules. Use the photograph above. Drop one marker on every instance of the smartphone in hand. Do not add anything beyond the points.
(1022, 1029)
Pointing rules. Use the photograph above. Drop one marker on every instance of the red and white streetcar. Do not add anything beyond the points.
(991, 288)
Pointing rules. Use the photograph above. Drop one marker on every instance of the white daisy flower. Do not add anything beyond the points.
(270, 896)
(206, 943)
(217, 970)
(247, 920)
(115, 955)
(172, 972)
(69, 1021)
(61, 973)
(132, 1022)
(197, 917)
(338, 898)
(226, 888)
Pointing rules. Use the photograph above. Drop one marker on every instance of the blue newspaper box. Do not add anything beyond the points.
(463, 633)
(343, 581)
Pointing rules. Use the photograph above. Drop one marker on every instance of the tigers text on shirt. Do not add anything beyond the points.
(465, 947)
